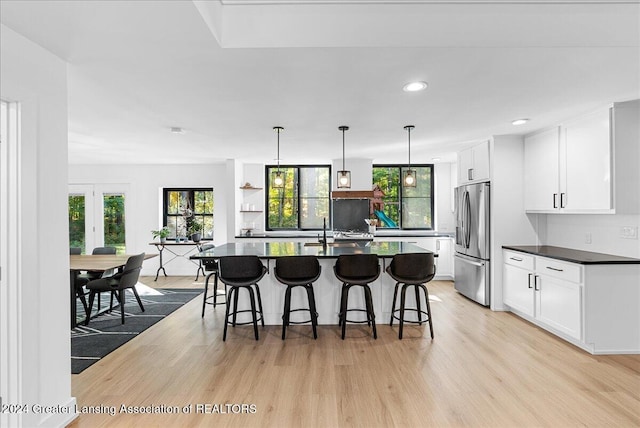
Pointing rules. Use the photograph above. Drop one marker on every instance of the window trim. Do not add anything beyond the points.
(267, 179)
(432, 197)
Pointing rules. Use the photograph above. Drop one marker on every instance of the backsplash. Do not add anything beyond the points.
(603, 230)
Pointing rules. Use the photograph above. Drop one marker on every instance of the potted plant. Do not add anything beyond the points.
(162, 233)
(195, 229)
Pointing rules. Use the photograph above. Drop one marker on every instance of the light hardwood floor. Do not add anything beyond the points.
(483, 369)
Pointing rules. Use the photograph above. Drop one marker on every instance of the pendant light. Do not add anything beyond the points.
(344, 176)
(409, 176)
(277, 177)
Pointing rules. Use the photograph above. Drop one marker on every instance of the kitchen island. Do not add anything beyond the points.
(327, 288)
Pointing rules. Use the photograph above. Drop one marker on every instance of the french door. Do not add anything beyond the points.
(97, 216)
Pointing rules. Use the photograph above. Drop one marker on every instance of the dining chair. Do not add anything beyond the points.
(83, 278)
(118, 284)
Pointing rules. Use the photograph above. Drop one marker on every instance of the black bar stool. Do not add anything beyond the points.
(360, 270)
(413, 269)
(239, 272)
(298, 271)
(211, 269)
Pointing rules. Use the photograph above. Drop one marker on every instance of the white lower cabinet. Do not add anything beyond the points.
(545, 290)
(558, 304)
(594, 306)
(518, 291)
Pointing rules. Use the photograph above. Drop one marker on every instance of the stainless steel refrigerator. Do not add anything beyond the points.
(472, 261)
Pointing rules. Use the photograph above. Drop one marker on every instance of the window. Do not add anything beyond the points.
(400, 207)
(304, 202)
(186, 210)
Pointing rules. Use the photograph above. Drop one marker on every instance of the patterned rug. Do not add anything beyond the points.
(105, 332)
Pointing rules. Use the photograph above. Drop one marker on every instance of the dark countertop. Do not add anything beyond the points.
(380, 233)
(571, 255)
(271, 250)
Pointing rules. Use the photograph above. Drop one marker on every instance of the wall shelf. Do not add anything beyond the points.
(250, 188)
(250, 211)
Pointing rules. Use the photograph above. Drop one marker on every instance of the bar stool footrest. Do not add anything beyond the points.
(425, 313)
(258, 317)
(300, 322)
(359, 322)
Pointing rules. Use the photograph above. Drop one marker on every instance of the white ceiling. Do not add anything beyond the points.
(228, 71)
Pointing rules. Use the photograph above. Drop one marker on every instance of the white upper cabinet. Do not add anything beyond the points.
(473, 164)
(586, 183)
(541, 170)
(583, 165)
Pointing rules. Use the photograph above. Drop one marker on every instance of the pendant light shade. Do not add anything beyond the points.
(409, 178)
(344, 176)
(277, 177)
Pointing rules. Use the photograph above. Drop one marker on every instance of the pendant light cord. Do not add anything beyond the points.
(343, 148)
(409, 128)
(278, 129)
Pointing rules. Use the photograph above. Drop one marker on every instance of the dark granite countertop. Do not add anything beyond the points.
(571, 255)
(380, 233)
(271, 250)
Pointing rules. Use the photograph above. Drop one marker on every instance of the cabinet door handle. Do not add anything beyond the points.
(470, 173)
(556, 269)
(562, 197)
(555, 200)
(529, 280)
(516, 259)
(535, 282)
(438, 245)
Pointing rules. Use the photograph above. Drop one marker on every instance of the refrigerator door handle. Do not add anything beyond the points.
(467, 225)
(479, 264)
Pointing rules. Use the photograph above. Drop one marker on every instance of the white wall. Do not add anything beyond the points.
(443, 195)
(39, 363)
(145, 197)
(509, 223)
(571, 231)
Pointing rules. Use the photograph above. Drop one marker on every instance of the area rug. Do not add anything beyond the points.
(105, 332)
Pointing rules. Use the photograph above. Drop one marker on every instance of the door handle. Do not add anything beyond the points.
(535, 282)
(556, 269)
(555, 200)
(562, 197)
(529, 280)
(516, 259)
(470, 173)
(469, 261)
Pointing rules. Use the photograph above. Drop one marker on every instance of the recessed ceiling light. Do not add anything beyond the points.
(177, 130)
(519, 121)
(414, 86)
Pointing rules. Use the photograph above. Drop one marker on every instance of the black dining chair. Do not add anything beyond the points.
(242, 272)
(412, 270)
(118, 284)
(298, 271)
(357, 270)
(84, 278)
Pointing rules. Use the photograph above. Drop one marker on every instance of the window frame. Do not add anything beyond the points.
(401, 167)
(191, 196)
(267, 179)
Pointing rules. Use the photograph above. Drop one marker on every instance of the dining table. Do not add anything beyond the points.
(97, 263)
